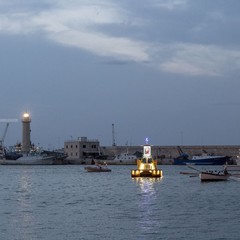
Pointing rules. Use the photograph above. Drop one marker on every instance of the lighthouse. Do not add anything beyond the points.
(26, 142)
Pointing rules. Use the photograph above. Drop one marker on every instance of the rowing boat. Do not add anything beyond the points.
(97, 168)
(214, 176)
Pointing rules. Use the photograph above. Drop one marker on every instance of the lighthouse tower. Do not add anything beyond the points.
(26, 142)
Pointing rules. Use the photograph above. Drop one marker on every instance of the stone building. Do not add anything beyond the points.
(81, 149)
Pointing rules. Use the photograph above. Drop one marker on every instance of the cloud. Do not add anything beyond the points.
(170, 4)
(196, 59)
(104, 28)
(100, 44)
(79, 26)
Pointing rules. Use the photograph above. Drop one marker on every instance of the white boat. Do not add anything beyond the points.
(214, 175)
(36, 158)
(125, 158)
(30, 159)
(97, 168)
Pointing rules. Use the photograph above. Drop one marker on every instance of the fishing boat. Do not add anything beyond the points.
(98, 168)
(29, 160)
(147, 166)
(214, 175)
(204, 159)
(36, 156)
(35, 159)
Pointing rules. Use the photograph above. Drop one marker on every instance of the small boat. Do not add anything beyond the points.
(147, 166)
(97, 168)
(214, 176)
(235, 167)
(210, 175)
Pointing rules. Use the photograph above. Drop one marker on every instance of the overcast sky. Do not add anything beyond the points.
(163, 69)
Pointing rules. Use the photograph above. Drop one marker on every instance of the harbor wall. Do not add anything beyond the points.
(167, 153)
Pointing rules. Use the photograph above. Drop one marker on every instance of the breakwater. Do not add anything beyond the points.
(166, 153)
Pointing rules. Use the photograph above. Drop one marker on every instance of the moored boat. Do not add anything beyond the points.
(36, 156)
(211, 175)
(121, 159)
(97, 168)
(214, 176)
(29, 160)
(202, 160)
(39, 158)
(183, 159)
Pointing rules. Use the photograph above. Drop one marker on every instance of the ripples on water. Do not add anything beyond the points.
(65, 202)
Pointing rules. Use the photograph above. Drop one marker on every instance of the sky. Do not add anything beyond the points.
(163, 69)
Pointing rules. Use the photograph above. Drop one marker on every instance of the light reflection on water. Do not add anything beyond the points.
(149, 218)
(24, 206)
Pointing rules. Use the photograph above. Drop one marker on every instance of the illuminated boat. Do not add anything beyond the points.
(147, 166)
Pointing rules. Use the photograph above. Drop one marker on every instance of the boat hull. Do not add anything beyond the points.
(232, 167)
(147, 173)
(205, 176)
(97, 169)
(29, 161)
(204, 161)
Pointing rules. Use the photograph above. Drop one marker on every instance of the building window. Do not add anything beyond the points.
(84, 146)
(66, 146)
(76, 146)
(71, 146)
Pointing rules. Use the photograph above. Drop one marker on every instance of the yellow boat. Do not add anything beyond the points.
(147, 166)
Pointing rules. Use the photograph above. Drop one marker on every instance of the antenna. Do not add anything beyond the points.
(113, 136)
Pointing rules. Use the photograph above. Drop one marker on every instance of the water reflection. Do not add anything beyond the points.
(148, 210)
(147, 184)
(25, 204)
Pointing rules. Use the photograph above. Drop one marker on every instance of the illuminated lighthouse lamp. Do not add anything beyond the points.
(26, 115)
(147, 166)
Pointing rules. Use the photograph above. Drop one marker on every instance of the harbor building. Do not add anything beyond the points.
(82, 150)
(26, 141)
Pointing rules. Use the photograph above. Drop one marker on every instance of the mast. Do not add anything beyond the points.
(113, 136)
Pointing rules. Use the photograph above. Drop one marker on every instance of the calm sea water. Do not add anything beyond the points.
(65, 202)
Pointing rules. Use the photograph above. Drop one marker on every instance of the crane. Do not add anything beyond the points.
(7, 121)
